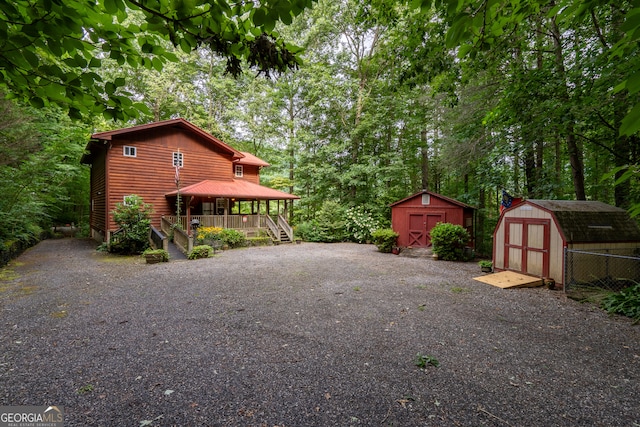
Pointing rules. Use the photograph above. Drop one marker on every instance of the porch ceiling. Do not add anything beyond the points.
(233, 188)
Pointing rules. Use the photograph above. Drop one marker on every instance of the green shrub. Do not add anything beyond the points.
(385, 239)
(164, 255)
(233, 238)
(360, 224)
(308, 231)
(226, 236)
(133, 219)
(200, 251)
(449, 241)
(328, 226)
(258, 241)
(625, 302)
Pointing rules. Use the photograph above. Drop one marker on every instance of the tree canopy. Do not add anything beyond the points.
(51, 51)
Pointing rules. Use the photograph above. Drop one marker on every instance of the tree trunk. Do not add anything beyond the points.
(573, 148)
(424, 159)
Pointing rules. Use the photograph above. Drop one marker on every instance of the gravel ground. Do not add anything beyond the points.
(304, 335)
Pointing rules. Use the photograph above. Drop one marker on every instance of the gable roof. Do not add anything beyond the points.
(173, 123)
(431, 193)
(250, 159)
(233, 188)
(589, 221)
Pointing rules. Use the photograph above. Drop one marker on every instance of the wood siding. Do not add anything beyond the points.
(151, 173)
(251, 173)
(98, 199)
(413, 220)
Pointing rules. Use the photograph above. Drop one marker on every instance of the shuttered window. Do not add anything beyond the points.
(178, 159)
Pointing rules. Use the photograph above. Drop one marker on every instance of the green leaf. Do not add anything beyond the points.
(631, 122)
(259, 17)
(109, 88)
(631, 20)
(36, 102)
(633, 83)
(185, 46)
(457, 30)
(157, 64)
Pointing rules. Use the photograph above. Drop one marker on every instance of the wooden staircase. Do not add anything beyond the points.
(280, 232)
(284, 237)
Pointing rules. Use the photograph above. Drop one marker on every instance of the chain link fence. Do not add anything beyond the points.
(607, 269)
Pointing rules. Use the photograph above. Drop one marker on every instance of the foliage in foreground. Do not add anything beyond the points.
(385, 239)
(335, 223)
(422, 361)
(200, 251)
(226, 236)
(133, 218)
(449, 241)
(360, 224)
(160, 253)
(625, 302)
(329, 225)
(65, 44)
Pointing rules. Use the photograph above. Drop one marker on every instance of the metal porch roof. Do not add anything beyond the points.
(233, 188)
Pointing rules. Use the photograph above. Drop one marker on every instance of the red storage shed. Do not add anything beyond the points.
(414, 217)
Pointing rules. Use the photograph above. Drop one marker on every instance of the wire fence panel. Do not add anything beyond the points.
(609, 269)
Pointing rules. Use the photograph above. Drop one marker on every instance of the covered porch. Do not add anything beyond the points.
(235, 204)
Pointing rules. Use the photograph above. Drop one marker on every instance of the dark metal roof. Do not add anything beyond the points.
(588, 221)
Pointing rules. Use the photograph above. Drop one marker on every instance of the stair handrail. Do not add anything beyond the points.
(273, 227)
(284, 225)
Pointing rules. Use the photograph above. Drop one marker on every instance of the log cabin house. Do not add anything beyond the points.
(186, 174)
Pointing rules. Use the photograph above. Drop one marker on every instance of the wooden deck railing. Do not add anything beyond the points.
(238, 222)
(284, 225)
(247, 223)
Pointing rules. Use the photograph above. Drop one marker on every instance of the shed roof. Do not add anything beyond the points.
(420, 193)
(590, 221)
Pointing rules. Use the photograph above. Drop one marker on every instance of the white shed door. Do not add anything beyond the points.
(526, 248)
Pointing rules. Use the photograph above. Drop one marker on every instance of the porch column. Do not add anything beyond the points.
(226, 213)
(188, 203)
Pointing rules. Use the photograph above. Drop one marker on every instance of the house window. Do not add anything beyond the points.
(129, 151)
(239, 171)
(207, 208)
(221, 206)
(178, 159)
(426, 199)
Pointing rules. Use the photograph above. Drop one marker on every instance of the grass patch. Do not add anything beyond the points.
(85, 389)
(588, 294)
(8, 274)
(423, 361)
(59, 314)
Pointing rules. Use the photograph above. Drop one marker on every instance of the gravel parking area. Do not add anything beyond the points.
(304, 335)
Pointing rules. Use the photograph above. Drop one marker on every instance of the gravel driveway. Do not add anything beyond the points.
(304, 335)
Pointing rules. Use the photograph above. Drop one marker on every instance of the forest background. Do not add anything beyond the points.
(465, 98)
